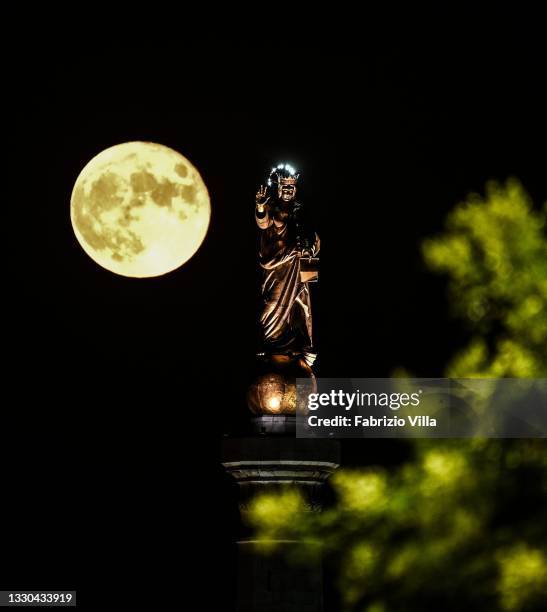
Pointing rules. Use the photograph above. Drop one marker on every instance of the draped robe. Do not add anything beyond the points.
(286, 317)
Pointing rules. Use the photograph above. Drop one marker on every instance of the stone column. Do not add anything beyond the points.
(270, 458)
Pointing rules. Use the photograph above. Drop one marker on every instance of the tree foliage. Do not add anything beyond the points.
(494, 251)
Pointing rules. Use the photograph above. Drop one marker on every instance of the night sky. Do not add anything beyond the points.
(121, 389)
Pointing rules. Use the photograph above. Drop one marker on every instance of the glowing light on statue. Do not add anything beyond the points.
(274, 403)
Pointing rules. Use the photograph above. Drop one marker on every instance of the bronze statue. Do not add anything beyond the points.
(288, 257)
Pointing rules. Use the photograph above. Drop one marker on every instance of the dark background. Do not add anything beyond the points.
(119, 390)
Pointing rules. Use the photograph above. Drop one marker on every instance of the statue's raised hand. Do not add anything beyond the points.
(262, 196)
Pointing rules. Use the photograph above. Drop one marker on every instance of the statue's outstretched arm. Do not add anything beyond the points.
(262, 216)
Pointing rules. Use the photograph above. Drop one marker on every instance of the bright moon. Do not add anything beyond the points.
(140, 209)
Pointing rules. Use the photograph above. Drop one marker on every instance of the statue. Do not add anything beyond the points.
(288, 258)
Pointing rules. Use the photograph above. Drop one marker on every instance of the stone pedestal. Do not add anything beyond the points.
(270, 458)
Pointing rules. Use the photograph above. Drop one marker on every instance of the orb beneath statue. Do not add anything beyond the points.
(273, 390)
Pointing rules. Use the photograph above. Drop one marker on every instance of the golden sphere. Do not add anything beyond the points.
(274, 390)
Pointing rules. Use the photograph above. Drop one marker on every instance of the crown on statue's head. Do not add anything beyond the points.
(283, 174)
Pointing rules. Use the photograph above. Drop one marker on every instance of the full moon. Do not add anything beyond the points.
(140, 209)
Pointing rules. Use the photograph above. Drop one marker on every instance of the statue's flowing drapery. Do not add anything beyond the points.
(286, 318)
